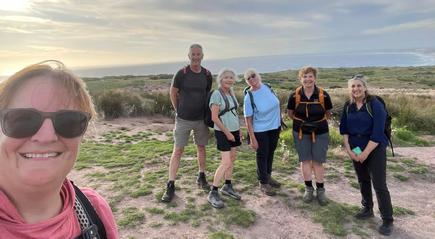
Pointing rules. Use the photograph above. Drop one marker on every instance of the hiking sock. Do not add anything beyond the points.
(171, 183)
(319, 185)
(214, 188)
(227, 181)
(309, 183)
(201, 175)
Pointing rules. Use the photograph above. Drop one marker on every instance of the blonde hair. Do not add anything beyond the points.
(361, 79)
(59, 72)
(307, 69)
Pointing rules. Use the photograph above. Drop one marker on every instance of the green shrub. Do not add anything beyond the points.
(404, 136)
(117, 103)
(109, 104)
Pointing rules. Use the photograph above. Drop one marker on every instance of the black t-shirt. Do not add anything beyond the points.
(193, 88)
(315, 111)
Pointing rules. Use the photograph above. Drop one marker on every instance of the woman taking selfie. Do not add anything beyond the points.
(44, 112)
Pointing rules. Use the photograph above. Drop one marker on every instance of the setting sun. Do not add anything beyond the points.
(16, 5)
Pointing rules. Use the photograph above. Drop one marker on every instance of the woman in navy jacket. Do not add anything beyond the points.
(362, 126)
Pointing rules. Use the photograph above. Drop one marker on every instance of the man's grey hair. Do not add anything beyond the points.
(195, 45)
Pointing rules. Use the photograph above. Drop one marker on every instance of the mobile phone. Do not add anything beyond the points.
(357, 150)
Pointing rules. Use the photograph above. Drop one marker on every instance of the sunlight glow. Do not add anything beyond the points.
(14, 5)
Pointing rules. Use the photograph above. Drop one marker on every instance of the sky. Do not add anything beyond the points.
(87, 33)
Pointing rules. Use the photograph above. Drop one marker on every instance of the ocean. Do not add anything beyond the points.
(275, 63)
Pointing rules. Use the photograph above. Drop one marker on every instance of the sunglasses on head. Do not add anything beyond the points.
(358, 76)
(25, 122)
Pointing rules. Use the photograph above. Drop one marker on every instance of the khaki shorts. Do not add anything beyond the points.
(183, 129)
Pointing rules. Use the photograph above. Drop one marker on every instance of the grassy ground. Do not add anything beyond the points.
(134, 167)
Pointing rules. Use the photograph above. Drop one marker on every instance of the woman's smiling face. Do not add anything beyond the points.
(44, 158)
(357, 89)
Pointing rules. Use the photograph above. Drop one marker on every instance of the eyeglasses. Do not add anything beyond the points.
(251, 76)
(25, 122)
(358, 76)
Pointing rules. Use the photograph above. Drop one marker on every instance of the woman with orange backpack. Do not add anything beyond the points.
(309, 106)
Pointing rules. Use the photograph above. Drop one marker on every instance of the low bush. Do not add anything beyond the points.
(117, 103)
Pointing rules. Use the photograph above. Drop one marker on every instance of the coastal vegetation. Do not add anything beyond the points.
(131, 166)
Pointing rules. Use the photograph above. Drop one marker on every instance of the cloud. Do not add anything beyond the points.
(161, 30)
(423, 24)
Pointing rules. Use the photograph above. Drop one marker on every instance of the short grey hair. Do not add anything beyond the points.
(195, 45)
(221, 75)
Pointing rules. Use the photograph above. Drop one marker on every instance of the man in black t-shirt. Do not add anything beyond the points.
(188, 93)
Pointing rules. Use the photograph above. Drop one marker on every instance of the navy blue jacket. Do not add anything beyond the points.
(361, 127)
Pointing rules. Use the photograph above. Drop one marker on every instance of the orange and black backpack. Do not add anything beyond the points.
(309, 126)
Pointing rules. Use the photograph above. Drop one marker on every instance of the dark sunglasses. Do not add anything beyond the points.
(358, 76)
(25, 122)
(251, 76)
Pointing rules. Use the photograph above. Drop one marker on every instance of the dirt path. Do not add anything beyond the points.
(278, 218)
(425, 155)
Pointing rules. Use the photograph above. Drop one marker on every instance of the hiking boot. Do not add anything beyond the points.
(168, 195)
(214, 199)
(364, 213)
(386, 228)
(274, 183)
(321, 197)
(308, 195)
(202, 182)
(267, 189)
(228, 190)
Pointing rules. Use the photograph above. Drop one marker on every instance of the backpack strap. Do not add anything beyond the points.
(369, 107)
(346, 107)
(227, 103)
(298, 96)
(251, 98)
(322, 98)
(90, 222)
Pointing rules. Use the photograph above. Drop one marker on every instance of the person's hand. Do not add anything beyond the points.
(352, 155)
(254, 143)
(362, 157)
(230, 137)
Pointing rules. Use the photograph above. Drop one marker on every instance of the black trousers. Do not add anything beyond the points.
(373, 170)
(267, 142)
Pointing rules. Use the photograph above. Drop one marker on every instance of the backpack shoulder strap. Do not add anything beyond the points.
(298, 96)
(89, 212)
(368, 104)
(234, 101)
(209, 77)
(227, 103)
(270, 88)
(346, 107)
(207, 72)
(322, 97)
(251, 98)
